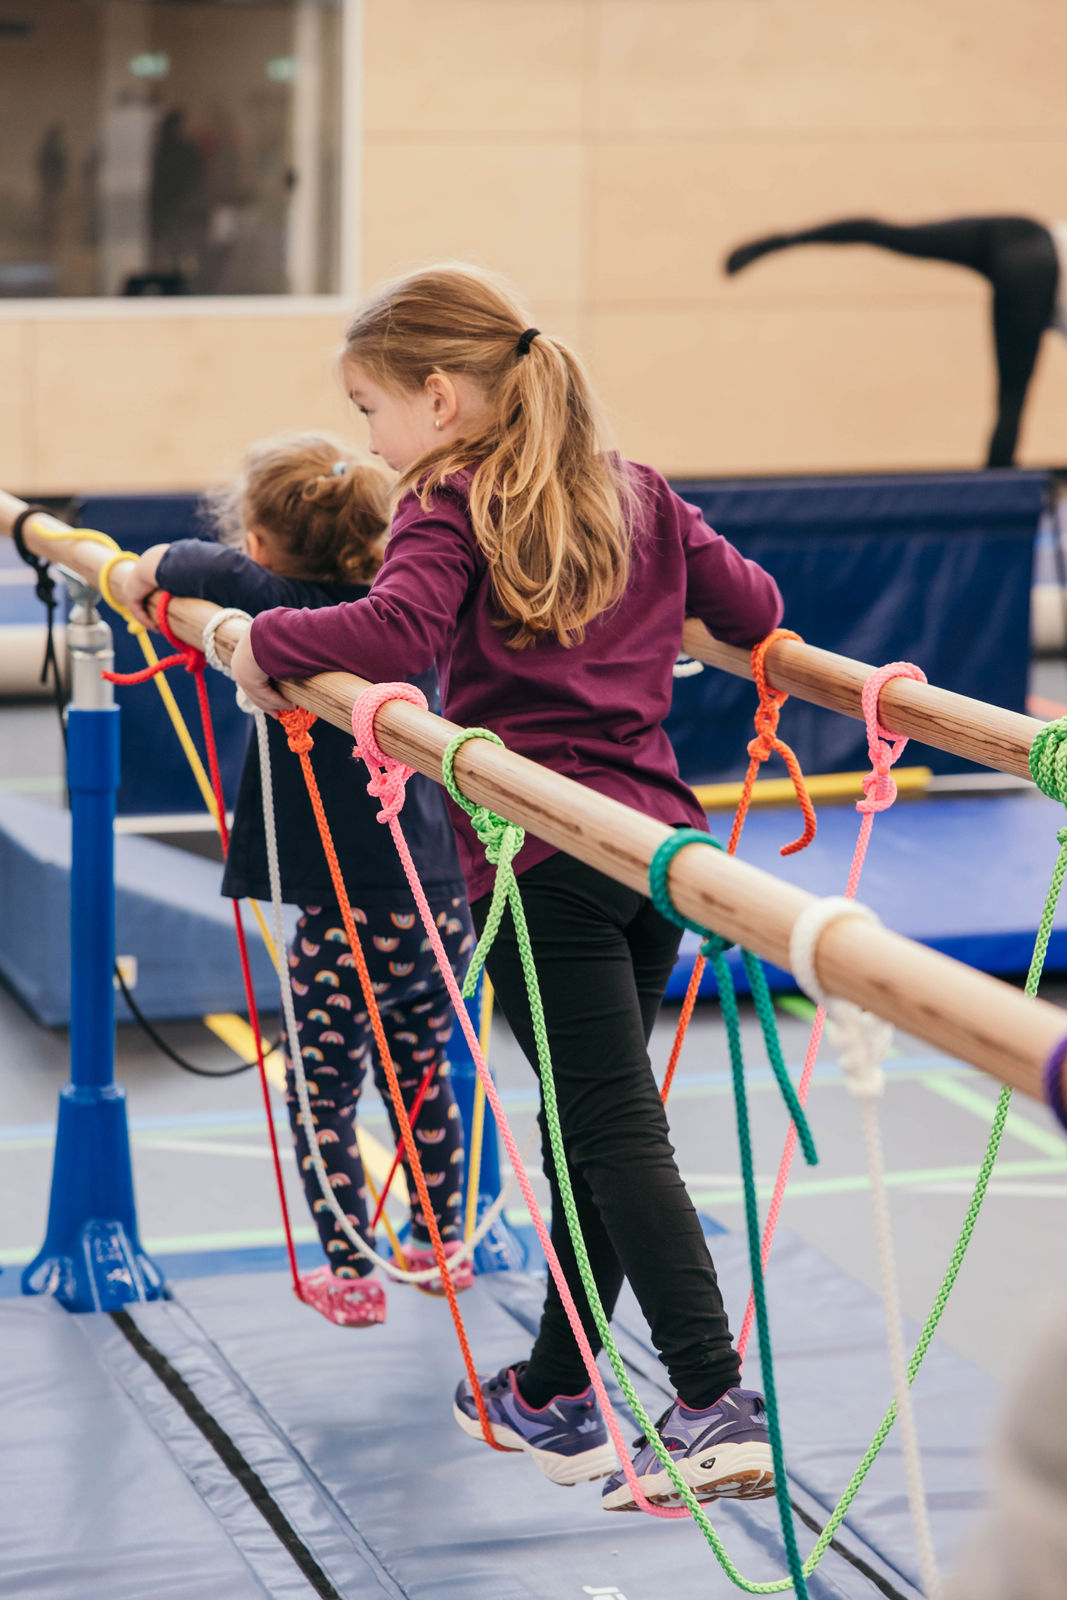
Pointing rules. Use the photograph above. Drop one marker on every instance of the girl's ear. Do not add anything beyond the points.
(442, 399)
(257, 548)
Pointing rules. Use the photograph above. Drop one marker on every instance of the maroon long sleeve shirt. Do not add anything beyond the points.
(593, 712)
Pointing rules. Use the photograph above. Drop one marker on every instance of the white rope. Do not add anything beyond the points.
(210, 649)
(863, 1041)
(351, 1233)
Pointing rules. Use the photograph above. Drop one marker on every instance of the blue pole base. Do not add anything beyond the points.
(92, 1258)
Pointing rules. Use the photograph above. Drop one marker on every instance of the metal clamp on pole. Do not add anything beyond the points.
(92, 1258)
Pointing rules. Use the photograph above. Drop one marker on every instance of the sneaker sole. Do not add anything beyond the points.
(733, 1472)
(564, 1470)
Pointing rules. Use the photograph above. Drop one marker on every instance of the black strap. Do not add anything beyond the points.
(45, 588)
(229, 1454)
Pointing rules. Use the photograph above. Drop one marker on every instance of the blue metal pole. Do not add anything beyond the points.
(92, 1258)
(502, 1249)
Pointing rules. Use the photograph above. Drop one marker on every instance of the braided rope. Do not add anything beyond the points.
(399, 1274)
(864, 1041)
(884, 749)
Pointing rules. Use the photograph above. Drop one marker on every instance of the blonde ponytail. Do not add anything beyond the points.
(550, 508)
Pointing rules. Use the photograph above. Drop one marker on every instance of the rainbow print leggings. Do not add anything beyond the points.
(337, 1046)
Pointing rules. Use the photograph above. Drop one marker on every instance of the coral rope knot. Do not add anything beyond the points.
(389, 784)
(883, 746)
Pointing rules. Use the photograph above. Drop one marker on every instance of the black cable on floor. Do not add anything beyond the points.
(169, 1051)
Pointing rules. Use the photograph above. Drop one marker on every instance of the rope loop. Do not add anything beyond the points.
(862, 1038)
(659, 888)
(107, 594)
(390, 782)
(1048, 760)
(297, 724)
(211, 627)
(767, 743)
(501, 840)
(193, 659)
(883, 746)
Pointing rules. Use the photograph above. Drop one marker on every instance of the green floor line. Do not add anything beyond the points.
(31, 785)
(179, 1243)
(961, 1094)
(795, 1005)
(801, 1189)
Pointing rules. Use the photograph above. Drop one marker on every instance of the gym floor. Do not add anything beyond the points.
(204, 1182)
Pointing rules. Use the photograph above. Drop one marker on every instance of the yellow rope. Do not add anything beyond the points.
(474, 1156)
(390, 1233)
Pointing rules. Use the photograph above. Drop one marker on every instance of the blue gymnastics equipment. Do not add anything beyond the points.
(92, 1258)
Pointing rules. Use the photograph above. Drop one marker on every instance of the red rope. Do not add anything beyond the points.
(297, 724)
(760, 748)
(193, 660)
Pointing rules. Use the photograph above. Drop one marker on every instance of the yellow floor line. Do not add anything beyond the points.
(237, 1036)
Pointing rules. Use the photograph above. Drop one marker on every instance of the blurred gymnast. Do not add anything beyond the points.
(1021, 259)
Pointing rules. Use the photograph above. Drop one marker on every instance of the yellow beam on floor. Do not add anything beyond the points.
(822, 786)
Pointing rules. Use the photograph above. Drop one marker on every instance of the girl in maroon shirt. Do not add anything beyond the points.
(549, 581)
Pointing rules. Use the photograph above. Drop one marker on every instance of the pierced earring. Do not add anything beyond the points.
(437, 422)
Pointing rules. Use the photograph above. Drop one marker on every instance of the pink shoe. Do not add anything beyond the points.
(419, 1259)
(349, 1302)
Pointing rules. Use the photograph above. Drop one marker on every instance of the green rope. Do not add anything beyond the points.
(1048, 765)
(715, 947)
(492, 831)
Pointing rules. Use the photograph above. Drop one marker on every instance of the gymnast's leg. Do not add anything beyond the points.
(962, 241)
(1025, 275)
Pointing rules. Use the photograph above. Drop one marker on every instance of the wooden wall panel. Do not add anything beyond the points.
(16, 370)
(171, 402)
(604, 154)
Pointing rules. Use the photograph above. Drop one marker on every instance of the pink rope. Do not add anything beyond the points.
(390, 776)
(884, 749)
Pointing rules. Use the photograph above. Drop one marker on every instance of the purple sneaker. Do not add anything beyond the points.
(567, 1438)
(722, 1452)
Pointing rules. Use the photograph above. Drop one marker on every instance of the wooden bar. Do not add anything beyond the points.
(973, 1017)
(987, 734)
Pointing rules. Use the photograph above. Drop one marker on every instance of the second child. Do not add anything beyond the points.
(310, 518)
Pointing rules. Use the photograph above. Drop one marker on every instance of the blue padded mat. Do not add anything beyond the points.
(369, 1415)
(967, 877)
(108, 1490)
(92, 1503)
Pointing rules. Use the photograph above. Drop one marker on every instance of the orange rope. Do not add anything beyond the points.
(297, 724)
(771, 702)
(760, 748)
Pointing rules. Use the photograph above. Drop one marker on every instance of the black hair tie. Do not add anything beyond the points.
(526, 340)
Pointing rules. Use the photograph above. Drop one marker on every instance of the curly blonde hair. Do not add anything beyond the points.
(323, 506)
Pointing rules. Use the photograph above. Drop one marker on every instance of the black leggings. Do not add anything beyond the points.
(603, 959)
(1015, 254)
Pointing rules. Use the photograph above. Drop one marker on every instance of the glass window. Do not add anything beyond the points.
(169, 147)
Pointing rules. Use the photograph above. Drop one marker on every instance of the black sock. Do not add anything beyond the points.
(537, 1394)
